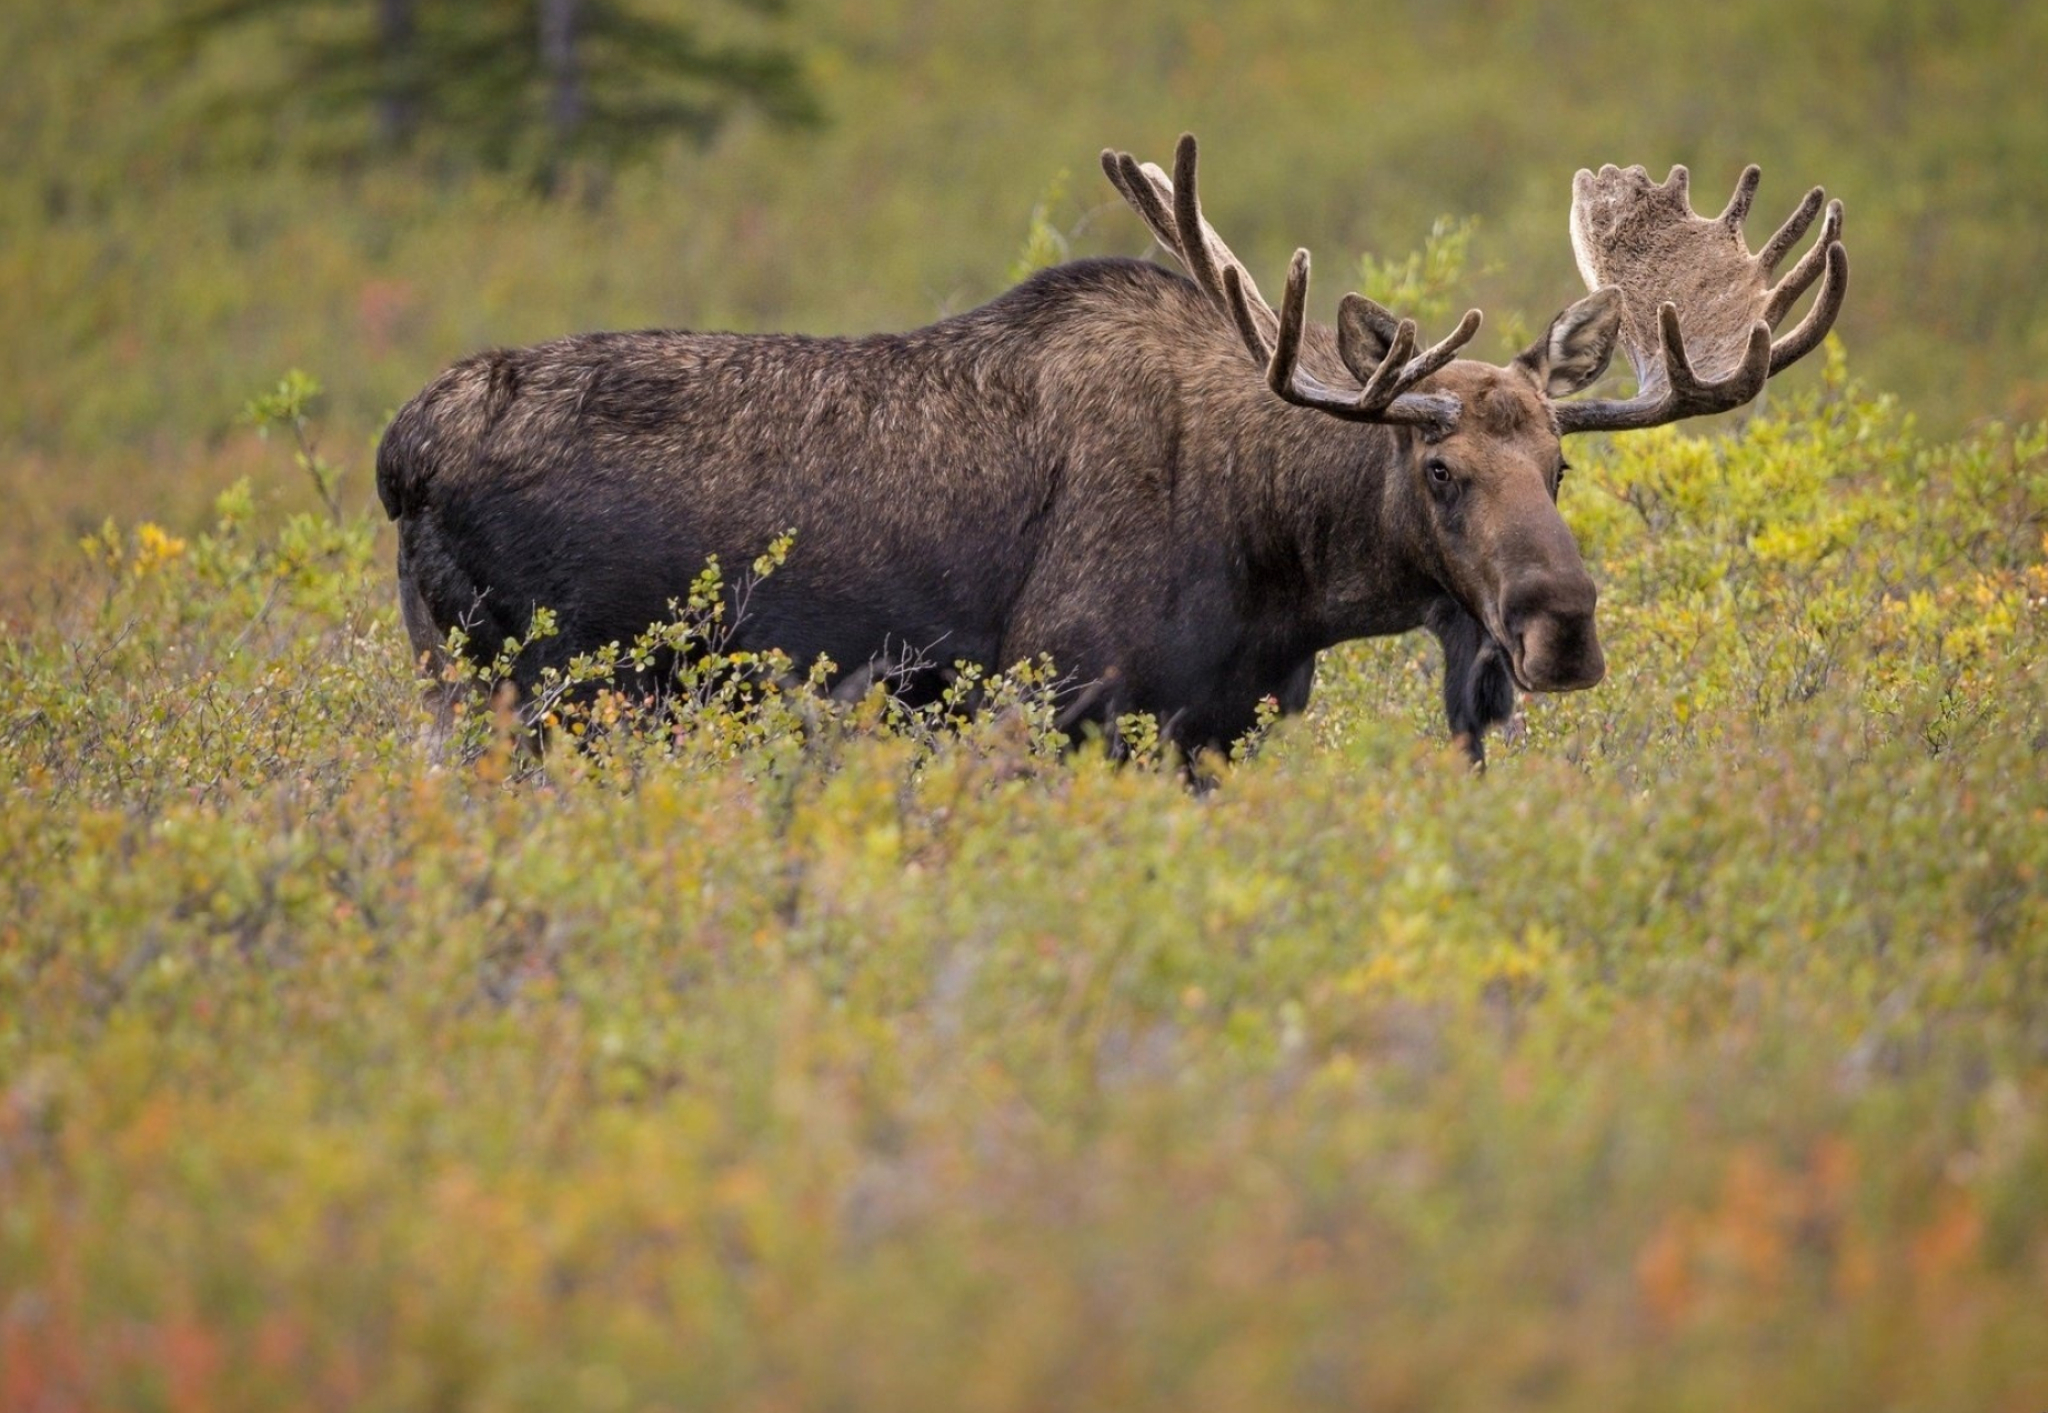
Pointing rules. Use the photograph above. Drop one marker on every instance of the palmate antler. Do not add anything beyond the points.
(1697, 307)
(1378, 348)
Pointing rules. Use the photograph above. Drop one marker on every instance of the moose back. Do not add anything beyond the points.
(1176, 492)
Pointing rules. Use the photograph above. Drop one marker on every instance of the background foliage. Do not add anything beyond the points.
(760, 1057)
(159, 262)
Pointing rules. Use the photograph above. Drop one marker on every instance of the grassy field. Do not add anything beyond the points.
(779, 1056)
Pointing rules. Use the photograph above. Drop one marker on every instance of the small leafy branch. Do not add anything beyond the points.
(1044, 243)
(1422, 284)
(289, 406)
(683, 690)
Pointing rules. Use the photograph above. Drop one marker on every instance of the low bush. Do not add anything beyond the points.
(766, 1052)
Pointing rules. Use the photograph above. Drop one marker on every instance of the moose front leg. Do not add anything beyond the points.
(1478, 692)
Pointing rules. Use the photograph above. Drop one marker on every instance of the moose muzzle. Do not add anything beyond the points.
(1550, 639)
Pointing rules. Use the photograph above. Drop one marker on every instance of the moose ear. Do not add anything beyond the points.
(1364, 334)
(1575, 348)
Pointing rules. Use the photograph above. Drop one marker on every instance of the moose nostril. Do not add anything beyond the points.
(1516, 626)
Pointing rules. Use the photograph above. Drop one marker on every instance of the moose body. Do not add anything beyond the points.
(1086, 468)
(1078, 469)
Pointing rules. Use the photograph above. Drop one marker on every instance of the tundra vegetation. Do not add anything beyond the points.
(756, 1057)
(782, 1052)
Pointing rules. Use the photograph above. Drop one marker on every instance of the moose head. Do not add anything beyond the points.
(1479, 463)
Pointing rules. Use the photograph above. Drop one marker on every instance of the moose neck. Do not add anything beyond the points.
(1383, 576)
(1339, 502)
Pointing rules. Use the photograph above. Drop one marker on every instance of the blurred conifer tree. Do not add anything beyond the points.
(534, 87)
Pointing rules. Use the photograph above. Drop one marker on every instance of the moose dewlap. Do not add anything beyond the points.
(1177, 493)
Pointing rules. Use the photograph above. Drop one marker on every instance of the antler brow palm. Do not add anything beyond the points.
(1697, 307)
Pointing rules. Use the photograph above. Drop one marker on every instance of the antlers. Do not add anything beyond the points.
(1697, 307)
(1376, 347)
(1675, 267)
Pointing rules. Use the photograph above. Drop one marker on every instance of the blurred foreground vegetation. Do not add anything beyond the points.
(756, 1057)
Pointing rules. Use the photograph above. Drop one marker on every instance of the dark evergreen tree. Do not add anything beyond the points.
(535, 87)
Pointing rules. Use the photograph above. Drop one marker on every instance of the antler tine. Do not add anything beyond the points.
(1788, 234)
(1187, 218)
(1283, 371)
(1819, 319)
(1737, 210)
(1241, 314)
(1177, 222)
(1387, 380)
(1678, 374)
(1787, 291)
(1684, 394)
(1128, 177)
(1443, 350)
(1293, 314)
(1699, 398)
(1384, 398)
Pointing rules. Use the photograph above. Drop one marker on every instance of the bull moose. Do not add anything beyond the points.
(1176, 492)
